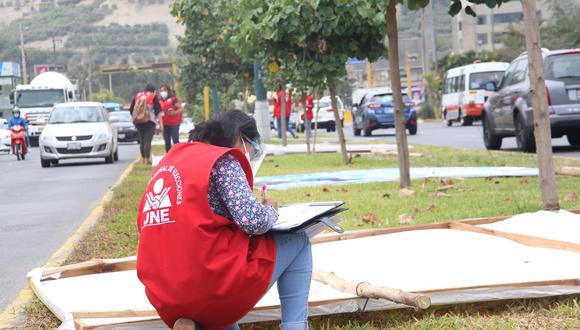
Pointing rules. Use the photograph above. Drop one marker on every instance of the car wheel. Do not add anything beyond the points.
(467, 121)
(574, 139)
(367, 130)
(524, 138)
(491, 141)
(44, 163)
(355, 130)
(116, 155)
(54, 162)
(109, 159)
(413, 129)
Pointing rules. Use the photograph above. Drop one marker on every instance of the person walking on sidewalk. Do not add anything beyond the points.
(147, 117)
(205, 254)
(172, 115)
(278, 111)
(308, 104)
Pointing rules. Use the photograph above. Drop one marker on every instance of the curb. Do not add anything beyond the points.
(11, 313)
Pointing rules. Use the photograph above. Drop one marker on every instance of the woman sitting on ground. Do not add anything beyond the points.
(205, 253)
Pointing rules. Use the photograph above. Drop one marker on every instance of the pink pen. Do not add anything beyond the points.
(264, 189)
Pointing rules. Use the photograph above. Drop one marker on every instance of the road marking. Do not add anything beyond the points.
(11, 313)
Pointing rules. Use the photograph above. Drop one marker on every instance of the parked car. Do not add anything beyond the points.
(464, 93)
(111, 106)
(509, 111)
(376, 111)
(186, 126)
(78, 130)
(126, 130)
(325, 115)
(4, 136)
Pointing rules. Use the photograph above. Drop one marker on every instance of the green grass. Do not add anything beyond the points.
(116, 234)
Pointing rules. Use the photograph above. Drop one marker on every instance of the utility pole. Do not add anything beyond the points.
(23, 55)
(261, 111)
(54, 50)
(492, 31)
(90, 75)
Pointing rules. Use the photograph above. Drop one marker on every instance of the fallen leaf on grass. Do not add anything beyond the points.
(429, 208)
(386, 195)
(439, 194)
(425, 183)
(406, 219)
(524, 181)
(276, 165)
(497, 182)
(508, 200)
(404, 193)
(343, 190)
(570, 197)
(489, 178)
(370, 218)
(465, 190)
(325, 189)
(307, 195)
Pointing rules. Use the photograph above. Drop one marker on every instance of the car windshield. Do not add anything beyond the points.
(81, 114)
(478, 80)
(39, 98)
(563, 66)
(123, 116)
(323, 104)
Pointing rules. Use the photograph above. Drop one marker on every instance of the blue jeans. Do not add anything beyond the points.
(170, 133)
(279, 126)
(308, 127)
(293, 272)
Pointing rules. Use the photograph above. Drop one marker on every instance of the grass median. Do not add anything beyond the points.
(376, 205)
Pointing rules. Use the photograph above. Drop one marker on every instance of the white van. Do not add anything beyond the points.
(464, 92)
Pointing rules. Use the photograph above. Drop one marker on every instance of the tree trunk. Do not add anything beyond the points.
(542, 131)
(338, 124)
(317, 96)
(394, 73)
(283, 114)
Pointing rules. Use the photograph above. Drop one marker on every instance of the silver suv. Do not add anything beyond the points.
(509, 111)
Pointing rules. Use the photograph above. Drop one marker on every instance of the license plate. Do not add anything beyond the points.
(121, 136)
(73, 146)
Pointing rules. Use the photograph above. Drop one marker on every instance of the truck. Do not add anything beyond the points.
(37, 99)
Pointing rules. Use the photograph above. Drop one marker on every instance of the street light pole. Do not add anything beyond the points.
(24, 71)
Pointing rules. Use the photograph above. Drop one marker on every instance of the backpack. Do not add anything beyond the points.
(141, 110)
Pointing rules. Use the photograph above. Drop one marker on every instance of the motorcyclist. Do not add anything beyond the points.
(17, 120)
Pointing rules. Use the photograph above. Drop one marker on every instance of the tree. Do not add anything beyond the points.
(209, 58)
(315, 37)
(391, 17)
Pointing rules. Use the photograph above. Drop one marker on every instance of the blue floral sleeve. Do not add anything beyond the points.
(230, 196)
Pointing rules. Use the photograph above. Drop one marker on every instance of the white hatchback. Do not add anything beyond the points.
(78, 130)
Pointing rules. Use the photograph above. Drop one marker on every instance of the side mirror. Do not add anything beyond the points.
(491, 86)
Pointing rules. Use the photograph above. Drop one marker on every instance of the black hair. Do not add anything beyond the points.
(224, 128)
(150, 88)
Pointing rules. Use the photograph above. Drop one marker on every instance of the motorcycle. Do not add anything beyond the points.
(18, 141)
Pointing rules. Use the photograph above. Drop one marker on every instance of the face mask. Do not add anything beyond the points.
(16, 115)
(246, 153)
(163, 94)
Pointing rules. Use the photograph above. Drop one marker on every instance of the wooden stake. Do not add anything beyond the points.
(338, 124)
(527, 240)
(86, 268)
(365, 290)
(542, 130)
(568, 170)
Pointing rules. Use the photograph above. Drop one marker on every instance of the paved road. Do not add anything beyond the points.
(456, 136)
(41, 208)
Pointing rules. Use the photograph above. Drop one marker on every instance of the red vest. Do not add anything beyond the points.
(193, 262)
(168, 119)
(278, 104)
(150, 96)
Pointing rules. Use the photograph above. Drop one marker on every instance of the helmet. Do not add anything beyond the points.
(16, 112)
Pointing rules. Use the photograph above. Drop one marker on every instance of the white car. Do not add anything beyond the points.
(4, 136)
(78, 130)
(326, 114)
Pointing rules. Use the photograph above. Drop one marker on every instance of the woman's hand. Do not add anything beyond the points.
(272, 203)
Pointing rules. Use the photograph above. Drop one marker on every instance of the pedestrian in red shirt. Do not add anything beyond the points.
(308, 106)
(172, 115)
(278, 111)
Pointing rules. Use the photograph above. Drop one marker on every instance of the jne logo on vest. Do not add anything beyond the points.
(157, 205)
